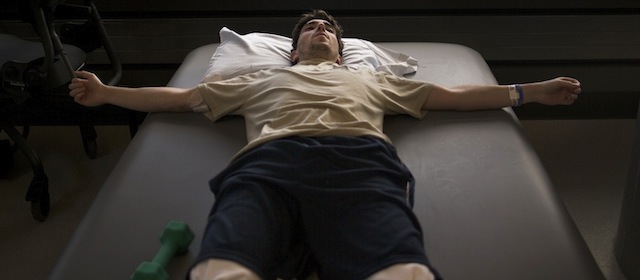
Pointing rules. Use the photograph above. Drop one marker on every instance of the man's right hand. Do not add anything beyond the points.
(87, 89)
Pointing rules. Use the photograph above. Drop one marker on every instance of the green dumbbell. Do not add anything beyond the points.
(174, 241)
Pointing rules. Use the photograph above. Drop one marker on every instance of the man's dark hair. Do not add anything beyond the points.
(317, 14)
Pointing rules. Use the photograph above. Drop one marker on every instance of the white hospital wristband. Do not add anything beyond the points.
(516, 95)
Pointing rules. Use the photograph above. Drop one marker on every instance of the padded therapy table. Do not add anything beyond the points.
(486, 205)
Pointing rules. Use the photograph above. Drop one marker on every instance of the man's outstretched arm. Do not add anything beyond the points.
(89, 91)
(558, 91)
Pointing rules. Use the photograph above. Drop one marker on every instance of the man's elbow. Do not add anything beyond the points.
(195, 102)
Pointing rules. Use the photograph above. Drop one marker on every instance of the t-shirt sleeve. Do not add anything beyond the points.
(399, 95)
(226, 97)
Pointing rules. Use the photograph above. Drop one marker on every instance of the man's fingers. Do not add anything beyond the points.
(572, 81)
(572, 85)
(571, 99)
(76, 86)
(75, 83)
(84, 74)
(78, 97)
(76, 92)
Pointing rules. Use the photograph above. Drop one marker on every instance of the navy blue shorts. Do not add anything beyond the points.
(336, 205)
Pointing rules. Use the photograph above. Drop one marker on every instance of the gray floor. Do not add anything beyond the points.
(587, 161)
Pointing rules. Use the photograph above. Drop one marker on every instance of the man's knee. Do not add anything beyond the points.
(217, 269)
(409, 271)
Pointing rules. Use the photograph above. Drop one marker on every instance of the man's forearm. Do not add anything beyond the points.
(150, 99)
(482, 97)
(559, 91)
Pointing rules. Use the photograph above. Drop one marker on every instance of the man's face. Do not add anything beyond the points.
(317, 41)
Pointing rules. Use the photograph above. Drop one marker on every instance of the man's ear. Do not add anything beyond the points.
(339, 60)
(294, 57)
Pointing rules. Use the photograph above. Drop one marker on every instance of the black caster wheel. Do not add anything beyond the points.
(38, 195)
(40, 208)
(91, 148)
(89, 136)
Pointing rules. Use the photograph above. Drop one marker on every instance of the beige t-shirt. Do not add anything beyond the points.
(314, 99)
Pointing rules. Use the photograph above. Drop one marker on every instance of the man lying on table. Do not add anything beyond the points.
(319, 187)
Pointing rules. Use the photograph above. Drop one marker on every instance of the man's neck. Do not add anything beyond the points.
(315, 61)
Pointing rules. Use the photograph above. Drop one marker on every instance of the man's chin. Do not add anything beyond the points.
(320, 51)
(321, 47)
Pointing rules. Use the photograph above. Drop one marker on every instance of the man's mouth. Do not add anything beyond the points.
(321, 34)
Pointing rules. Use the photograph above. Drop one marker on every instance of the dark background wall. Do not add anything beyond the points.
(595, 41)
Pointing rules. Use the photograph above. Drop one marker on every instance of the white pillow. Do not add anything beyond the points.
(242, 54)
